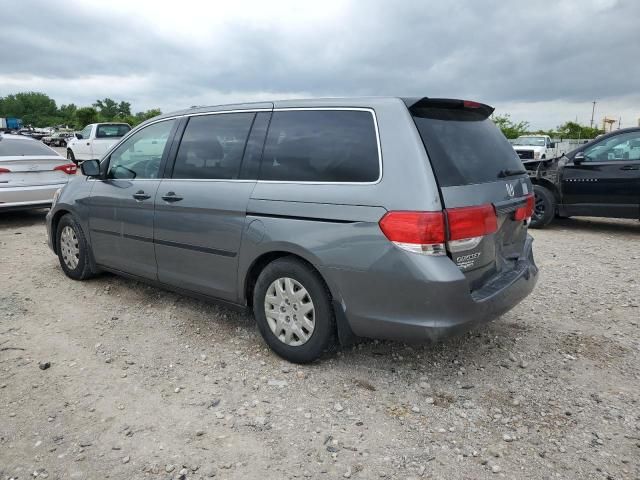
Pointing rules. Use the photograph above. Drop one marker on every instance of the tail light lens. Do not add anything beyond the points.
(526, 211)
(68, 168)
(469, 222)
(426, 232)
(4, 170)
(419, 232)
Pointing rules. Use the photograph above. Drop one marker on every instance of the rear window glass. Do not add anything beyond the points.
(321, 146)
(464, 147)
(112, 131)
(20, 147)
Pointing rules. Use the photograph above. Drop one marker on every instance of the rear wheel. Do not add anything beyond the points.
(293, 310)
(71, 156)
(545, 207)
(73, 250)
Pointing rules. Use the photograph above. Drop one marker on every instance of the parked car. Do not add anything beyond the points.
(95, 140)
(58, 139)
(31, 133)
(30, 173)
(598, 179)
(534, 147)
(326, 217)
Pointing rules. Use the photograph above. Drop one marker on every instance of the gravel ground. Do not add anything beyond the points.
(142, 383)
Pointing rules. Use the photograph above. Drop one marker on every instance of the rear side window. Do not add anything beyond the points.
(111, 131)
(464, 146)
(321, 146)
(22, 147)
(212, 146)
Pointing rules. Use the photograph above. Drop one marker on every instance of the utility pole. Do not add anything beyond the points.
(593, 111)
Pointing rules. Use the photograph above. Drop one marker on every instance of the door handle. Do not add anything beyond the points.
(629, 167)
(171, 197)
(140, 195)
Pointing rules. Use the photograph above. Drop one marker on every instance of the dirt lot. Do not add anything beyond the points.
(148, 384)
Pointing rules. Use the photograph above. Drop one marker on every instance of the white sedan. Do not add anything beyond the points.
(30, 173)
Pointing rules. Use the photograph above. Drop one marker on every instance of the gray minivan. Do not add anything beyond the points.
(395, 218)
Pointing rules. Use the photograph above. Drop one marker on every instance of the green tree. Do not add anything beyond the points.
(575, 130)
(68, 114)
(107, 108)
(124, 109)
(85, 116)
(34, 108)
(142, 116)
(509, 128)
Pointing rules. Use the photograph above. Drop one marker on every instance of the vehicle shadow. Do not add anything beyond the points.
(597, 225)
(474, 347)
(22, 218)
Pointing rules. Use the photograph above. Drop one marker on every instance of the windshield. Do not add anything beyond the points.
(533, 141)
(464, 146)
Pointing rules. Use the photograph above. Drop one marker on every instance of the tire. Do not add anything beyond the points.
(288, 272)
(71, 156)
(69, 234)
(545, 207)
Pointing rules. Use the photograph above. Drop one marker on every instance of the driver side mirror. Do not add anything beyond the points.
(579, 158)
(78, 136)
(90, 168)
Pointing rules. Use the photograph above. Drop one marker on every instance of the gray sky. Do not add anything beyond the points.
(541, 61)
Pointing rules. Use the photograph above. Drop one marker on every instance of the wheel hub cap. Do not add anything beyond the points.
(69, 247)
(290, 312)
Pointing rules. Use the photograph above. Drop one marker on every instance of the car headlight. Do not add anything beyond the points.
(536, 155)
(55, 197)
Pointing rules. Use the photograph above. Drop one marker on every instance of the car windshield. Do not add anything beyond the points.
(22, 147)
(533, 141)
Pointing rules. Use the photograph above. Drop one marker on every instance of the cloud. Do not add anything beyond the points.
(545, 59)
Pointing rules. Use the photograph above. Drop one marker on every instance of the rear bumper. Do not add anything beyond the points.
(19, 198)
(428, 300)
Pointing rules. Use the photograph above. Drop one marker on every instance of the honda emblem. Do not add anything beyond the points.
(510, 190)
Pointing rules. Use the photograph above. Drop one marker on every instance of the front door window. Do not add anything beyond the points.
(139, 156)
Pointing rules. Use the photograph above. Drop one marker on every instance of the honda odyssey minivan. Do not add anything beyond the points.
(394, 218)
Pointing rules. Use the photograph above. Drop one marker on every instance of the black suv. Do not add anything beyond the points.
(599, 179)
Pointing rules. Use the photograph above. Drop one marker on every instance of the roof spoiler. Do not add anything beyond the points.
(449, 103)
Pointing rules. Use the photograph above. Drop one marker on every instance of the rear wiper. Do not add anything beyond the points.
(510, 173)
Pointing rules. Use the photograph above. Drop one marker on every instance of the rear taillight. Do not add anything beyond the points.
(469, 222)
(4, 170)
(68, 168)
(419, 232)
(426, 232)
(526, 211)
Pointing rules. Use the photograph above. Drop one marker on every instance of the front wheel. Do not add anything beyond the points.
(71, 156)
(73, 249)
(545, 207)
(293, 310)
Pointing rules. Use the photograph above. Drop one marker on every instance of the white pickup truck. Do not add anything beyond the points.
(94, 140)
(534, 147)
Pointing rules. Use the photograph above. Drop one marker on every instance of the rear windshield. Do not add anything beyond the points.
(112, 131)
(464, 146)
(10, 148)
